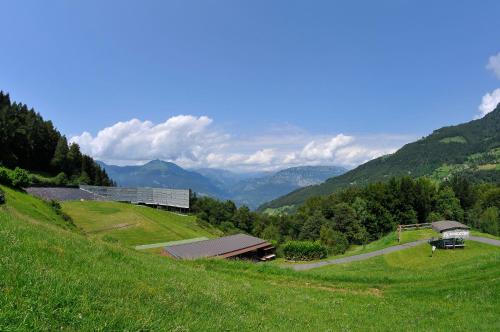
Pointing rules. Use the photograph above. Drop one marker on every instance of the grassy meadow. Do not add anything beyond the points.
(385, 242)
(55, 277)
(134, 224)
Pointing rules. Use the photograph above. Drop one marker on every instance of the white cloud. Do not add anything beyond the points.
(324, 150)
(489, 103)
(193, 142)
(261, 157)
(494, 64)
(180, 137)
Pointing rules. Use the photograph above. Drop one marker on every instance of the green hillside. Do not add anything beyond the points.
(134, 224)
(56, 278)
(449, 149)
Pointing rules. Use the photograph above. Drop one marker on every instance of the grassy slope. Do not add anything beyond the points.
(132, 224)
(54, 278)
(419, 158)
(384, 242)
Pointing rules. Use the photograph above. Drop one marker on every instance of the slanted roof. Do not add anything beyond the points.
(226, 246)
(447, 225)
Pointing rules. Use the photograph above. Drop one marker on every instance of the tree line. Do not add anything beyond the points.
(29, 142)
(358, 215)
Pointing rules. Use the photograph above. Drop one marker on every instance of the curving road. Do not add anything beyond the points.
(486, 240)
(302, 267)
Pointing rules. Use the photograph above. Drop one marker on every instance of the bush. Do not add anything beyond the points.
(20, 178)
(2, 197)
(304, 250)
(5, 176)
(61, 179)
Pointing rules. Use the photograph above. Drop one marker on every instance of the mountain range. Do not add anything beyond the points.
(251, 189)
(471, 148)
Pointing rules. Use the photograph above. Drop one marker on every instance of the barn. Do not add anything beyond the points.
(234, 246)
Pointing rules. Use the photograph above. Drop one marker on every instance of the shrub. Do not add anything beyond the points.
(2, 197)
(228, 228)
(304, 250)
(20, 178)
(5, 177)
(61, 179)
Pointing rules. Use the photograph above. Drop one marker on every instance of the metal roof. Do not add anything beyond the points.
(60, 194)
(224, 246)
(446, 225)
(156, 196)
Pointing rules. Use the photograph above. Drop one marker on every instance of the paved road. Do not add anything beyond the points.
(485, 240)
(301, 267)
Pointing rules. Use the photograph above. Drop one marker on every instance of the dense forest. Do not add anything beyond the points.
(359, 214)
(453, 145)
(28, 142)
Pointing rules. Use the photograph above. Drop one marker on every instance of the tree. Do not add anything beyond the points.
(345, 221)
(425, 195)
(464, 191)
(447, 205)
(489, 221)
(30, 142)
(243, 219)
(312, 226)
(271, 232)
(59, 160)
(491, 198)
(336, 242)
(74, 160)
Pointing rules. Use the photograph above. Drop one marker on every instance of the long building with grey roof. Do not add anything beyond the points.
(239, 245)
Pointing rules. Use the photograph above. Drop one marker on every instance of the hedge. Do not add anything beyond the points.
(2, 197)
(17, 178)
(303, 250)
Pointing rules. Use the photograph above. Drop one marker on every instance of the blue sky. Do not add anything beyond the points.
(261, 84)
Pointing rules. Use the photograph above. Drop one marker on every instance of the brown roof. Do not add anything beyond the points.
(226, 246)
(447, 225)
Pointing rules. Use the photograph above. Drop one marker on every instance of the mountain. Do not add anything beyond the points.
(251, 189)
(255, 191)
(158, 173)
(472, 148)
(227, 179)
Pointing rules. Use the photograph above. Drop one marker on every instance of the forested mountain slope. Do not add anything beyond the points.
(32, 143)
(454, 145)
(255, 191)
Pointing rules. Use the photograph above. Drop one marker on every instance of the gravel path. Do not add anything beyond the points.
(301, 267)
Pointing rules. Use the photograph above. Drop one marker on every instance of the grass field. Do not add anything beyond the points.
(384, 242)
(54, 278)
(133, 224)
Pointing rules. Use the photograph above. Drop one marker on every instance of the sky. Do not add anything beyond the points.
(250, 85)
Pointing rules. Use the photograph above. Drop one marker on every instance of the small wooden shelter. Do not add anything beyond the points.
(452, 233)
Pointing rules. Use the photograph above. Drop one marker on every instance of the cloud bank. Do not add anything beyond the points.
(192, 142)
(491, 99)
(494, 64)
(489, 103)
